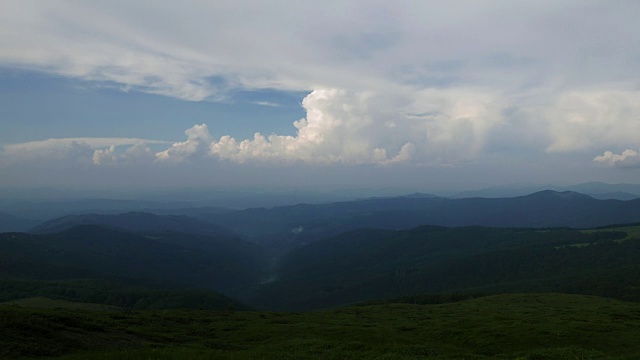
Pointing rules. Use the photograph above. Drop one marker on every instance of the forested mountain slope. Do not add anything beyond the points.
(290, 226)
(94, 252)
(376, 264)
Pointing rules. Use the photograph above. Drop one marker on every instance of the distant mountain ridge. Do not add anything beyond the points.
(312, 256)
(303, 223)
(13, 223)
(597, 190)
(136, 222)
(295, 225)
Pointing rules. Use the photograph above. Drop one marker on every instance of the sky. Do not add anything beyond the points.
(279, 94)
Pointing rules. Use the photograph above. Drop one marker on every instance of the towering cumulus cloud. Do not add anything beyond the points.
(361, 127)
(197, 144)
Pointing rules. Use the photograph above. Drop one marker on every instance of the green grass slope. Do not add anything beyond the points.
(632, 231)
(41, 302)
(114, 293)
(516, 326)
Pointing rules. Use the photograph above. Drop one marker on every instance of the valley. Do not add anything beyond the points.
(407, 277)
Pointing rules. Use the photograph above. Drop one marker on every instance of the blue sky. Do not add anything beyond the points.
(42, 106)
(340, 93)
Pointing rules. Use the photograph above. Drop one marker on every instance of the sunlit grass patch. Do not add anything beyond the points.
(633, 232)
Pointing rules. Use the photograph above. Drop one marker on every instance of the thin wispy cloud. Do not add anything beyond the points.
(266, 103)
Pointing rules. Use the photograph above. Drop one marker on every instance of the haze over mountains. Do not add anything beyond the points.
(597, 190)
(136, 222)
(307, 223)
(39, 205)
(310, 256)
(303, 223)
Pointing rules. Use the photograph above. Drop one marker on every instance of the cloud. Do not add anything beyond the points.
(435, 127)
(627, 159)
(137, 153)
(362, 128)
(91, 142)
(456, 84)
(430, 127)
(587, 119)
(267, 103)
(200, 51)
(101, 156)
(198, 141)
(83, 150)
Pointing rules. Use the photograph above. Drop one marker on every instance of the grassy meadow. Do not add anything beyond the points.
(632, 231)
(510, 326)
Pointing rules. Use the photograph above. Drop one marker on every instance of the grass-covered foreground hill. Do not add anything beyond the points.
(516, 326)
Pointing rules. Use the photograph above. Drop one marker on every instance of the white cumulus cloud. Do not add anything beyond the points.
(136, 153)
(627, 159)
(354, 127)
(197, 144)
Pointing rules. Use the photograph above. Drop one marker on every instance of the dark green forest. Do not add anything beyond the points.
(140, 285)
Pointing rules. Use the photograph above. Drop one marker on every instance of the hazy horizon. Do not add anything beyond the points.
(258, 196)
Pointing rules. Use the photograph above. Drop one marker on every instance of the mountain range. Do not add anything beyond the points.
(311, 256)
(290, 226)
(597, 190)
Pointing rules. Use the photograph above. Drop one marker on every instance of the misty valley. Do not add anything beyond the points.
(549, 275)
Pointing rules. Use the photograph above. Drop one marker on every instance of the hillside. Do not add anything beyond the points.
(356, 266)
(290, 226)
(38, 208)
(101, 293)
(517, 326)
(319, 256)
(90, 251)
(14, 223)
(597, 190)
(376, 264)
(136, 222)
(493, 292)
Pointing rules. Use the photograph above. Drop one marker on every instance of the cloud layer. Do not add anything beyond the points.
(439, 127)
(420, 83)
(198, 50)
(98, 151)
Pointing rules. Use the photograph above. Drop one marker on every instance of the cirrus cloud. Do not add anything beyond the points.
(199, 51)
